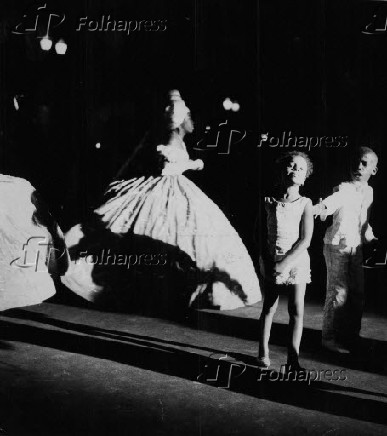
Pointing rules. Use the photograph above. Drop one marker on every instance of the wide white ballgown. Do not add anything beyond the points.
(30, 245)
(173, 211)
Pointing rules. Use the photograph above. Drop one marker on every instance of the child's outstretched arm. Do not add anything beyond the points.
(306, 233)
(329, 205)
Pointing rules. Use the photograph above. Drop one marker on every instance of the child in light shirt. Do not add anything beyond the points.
(343, 251)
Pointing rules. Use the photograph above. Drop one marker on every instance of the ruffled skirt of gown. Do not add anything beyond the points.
(182, 226)
(30, 243)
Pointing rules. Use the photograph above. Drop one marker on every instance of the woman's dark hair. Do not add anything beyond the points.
(144, 161)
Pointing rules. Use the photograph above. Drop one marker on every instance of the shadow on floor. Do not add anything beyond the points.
(371, 355)
(219, 370)
(130, 271)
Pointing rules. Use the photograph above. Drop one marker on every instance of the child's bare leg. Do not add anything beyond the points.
(270, 304)
(296, 320)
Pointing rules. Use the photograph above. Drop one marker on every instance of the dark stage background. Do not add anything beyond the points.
(312, 68)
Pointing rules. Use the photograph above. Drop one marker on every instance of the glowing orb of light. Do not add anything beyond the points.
(45, 43)
(61, 47)
(227, 104)
(235, 107)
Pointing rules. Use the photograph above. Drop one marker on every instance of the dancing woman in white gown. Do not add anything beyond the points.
(172, 212)
(32, 250)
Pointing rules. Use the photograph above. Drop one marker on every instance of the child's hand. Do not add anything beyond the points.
(199, 164)
(319, 209)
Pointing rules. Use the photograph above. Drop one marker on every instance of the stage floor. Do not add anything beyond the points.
(68, 370)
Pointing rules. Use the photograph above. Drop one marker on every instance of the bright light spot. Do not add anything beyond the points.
(61, 47)
(45, 43)
(235, 107)
(208, 127)
(15, 103)
(227, 104)
(98, 145)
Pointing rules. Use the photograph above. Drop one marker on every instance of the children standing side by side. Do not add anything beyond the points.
(286, 260)
(343, 251)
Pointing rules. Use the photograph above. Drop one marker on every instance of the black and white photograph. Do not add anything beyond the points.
(192, 217)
